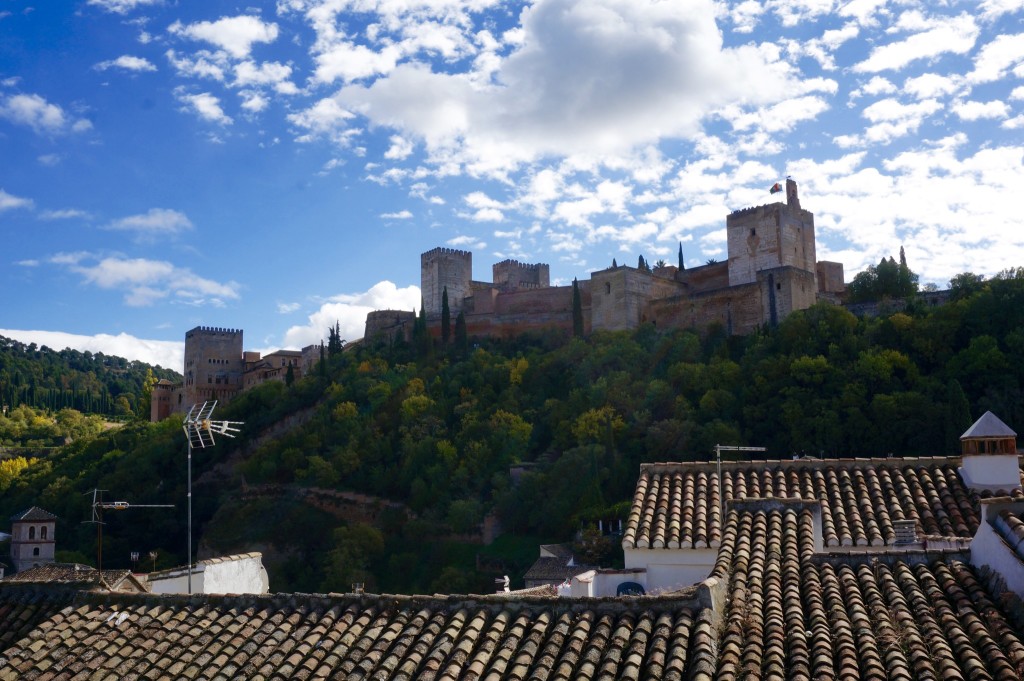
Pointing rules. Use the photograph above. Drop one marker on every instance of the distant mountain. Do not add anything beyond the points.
(44, 378)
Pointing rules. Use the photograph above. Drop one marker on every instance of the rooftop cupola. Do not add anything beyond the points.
(989, 450)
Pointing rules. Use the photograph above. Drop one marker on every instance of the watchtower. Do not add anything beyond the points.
(213, 364)
(989, 458)
(770, 236)
(445, 268)
(32, 540)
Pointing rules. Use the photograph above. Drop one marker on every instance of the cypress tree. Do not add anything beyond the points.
(577, 310)
(446, 318)
(461, 338)
(682, 265)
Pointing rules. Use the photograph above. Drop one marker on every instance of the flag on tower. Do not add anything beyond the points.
(776, 188)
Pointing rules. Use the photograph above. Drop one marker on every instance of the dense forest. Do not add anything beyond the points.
(40, 377)
(543, 433)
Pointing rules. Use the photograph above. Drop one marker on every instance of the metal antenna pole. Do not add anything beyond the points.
(199, 430)
(189, 516)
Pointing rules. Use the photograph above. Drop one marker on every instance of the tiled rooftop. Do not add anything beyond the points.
(34, 514)
(788, 617)
(299, 636)
(72, 574)
(679, 505)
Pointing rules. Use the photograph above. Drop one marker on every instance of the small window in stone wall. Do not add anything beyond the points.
(607, 287)
(42, 532)
(31, 532)
(35, 551)
(778, 287)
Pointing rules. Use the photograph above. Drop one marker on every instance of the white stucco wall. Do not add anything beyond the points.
(991, 471)
(244, 576)
(670, 569)
(989, 549)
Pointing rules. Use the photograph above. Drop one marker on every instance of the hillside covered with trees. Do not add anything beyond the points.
(40, 377)
(544, 433)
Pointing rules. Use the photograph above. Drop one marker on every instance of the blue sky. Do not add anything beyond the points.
(277, 166)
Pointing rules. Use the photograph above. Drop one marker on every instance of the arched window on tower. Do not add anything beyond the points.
(31, 532)
(42, 532)
(35, 551)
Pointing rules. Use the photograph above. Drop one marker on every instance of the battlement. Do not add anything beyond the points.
(506, 264)
(752, 209)
(445, 251)
(213, 329)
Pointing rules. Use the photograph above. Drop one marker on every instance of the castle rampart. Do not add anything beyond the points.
(771, 271)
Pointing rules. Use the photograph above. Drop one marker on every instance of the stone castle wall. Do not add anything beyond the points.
(619, 296)
(390, 324)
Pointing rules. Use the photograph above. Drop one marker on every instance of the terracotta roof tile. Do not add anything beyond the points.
(678, 505)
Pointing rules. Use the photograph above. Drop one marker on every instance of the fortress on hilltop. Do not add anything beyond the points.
(772, 270)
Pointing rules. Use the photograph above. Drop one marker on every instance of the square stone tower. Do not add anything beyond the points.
(770, 236)
(213, 365)
(445, 268)
(32, 540)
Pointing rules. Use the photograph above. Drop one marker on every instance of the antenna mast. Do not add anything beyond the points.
(199, 430)
(98, 505)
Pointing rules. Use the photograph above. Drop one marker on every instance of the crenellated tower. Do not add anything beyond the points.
(445, 268)
(512, 275)
(213, 365)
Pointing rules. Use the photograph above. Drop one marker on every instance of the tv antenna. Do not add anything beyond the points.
(98, 506)
(199, 429)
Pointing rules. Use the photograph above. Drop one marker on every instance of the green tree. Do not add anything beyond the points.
(682, 264)
(577, 310)
(958, 415)
(461, 338)
(355, 548)
(289, 376)
(446, 318)
(965, 284)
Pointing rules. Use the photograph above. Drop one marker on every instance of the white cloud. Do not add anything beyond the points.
(993, 9)
(205, 105)
(348, 61)
(40, 115)
(997, 57)
(249, 73)
(400, 148)
(235, 35)
(349, 311)
(972, 111)
(288, 308)
(325, 118)
(153, 222)
(122, 6)
(878, 85)
(128, 63)
(745, 15)
(167, 354)
(792, 12)
(49, 160)
(937, 36)
(63, 214)
(399, 215)
(203, 64)
(592, 77)
(28, 263)
(931, 85)
(144, 282)
(9, 201)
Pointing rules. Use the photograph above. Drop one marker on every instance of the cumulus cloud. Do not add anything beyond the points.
(397, 215)
(997, 57)
(10, 201)
(234, 35)
(154, 222)
(145, 282)
(204, 105)
(973, 111)
(42, 116)
(349, 310)
(934, 37)
(126, 62)
(590, 77)
(167, 354)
